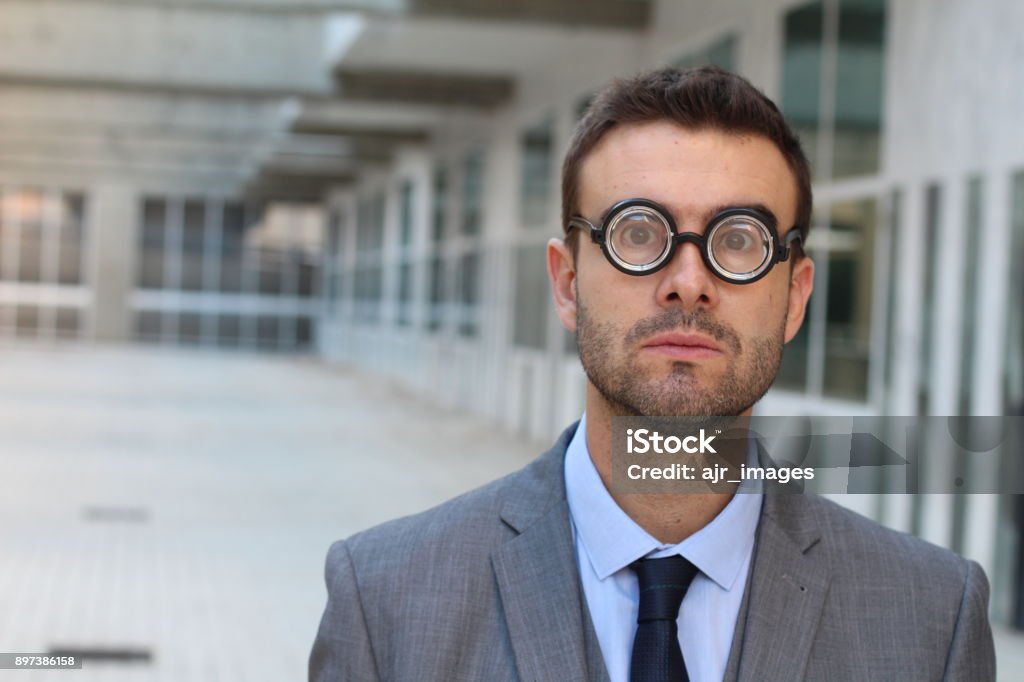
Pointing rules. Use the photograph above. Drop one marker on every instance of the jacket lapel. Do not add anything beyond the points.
(595, 658)
(537, 576)
(784, 597)
(547, 618)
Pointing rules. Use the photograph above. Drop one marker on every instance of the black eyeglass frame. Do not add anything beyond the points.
(780, 249)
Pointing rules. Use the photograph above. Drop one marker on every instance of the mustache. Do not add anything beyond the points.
(673, 319)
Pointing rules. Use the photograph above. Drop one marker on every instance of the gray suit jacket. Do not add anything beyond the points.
(485, 587)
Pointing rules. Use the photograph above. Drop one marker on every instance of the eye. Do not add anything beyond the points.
(737, 240)
(740, 246)
(638, 234)
(638, 237)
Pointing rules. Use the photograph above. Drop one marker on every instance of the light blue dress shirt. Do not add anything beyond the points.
(608, 541)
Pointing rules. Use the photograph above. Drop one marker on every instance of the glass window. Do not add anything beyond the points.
(376, 232)
(67, 324)
(858, 88)
(72, 240)
(529, 328)
(229, 330)
(569, 346)
(405, 269)
(8, 232)
(148, 325)
(8, 213)
(583, 104)
(856, 82)
(468, 278)
(374, 290)
(1013, 377)
(723, 53)
(405, 215)
(720, 53)
(267, 331)
(271, 271)
(793, 370)
(27, 321)
(307, 272)
(933, 201)
(268, 250)
(536, 151)
(31, 219)
(851, 255)
(472, 193)
(192, 242)
(303, 332)
(437, 294)
(365, 223)
(438, 229)
(801, 73)
(404, 294)
(190, 328)
(893, 247)
(369, 272)
(334, 261)
(368, 292)
(154, 232)
(232, 245)
(968, 323)
(440, 205)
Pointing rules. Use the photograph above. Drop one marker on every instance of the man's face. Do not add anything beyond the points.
(680, 341)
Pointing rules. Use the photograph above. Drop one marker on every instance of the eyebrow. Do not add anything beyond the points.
(760, 208)
(711, 213)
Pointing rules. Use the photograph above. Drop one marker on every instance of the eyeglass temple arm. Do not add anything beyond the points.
(596, 233)
(793, 236)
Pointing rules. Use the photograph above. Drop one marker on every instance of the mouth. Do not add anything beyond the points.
(683, 346)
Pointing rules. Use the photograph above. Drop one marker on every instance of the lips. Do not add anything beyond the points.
(683, 346)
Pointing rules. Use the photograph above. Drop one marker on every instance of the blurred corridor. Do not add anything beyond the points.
(177, 506)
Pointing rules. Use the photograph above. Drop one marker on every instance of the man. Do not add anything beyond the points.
(685, 200)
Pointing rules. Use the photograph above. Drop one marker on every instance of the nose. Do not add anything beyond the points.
(687, 281)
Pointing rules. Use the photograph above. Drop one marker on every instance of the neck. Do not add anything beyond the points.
(668, 517)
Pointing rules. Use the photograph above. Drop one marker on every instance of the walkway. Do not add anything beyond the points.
(178, 505)
(174, 508)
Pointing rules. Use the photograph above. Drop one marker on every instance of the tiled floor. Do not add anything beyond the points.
(183, 502)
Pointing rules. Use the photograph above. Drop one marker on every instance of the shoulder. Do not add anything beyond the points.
(875, 568)
(859, 544)
(892, 591)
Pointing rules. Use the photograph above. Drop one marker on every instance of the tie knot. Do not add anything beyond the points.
(663, 584)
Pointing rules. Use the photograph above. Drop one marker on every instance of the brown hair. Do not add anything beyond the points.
(707, 97)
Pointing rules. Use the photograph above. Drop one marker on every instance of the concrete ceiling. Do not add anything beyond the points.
(475, 47)
(629, 14)
(424, 87)
(303, 93)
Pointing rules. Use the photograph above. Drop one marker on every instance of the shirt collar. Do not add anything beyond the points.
(613, 541)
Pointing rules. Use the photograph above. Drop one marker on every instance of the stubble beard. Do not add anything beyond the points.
(609, 358)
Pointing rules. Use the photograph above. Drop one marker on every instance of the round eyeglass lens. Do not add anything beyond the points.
(741, 246)
(639, 237)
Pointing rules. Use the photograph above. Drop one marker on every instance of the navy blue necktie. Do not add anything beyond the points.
(656, 653)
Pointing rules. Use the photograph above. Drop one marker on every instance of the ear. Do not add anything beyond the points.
(801, 283)
(562, 273)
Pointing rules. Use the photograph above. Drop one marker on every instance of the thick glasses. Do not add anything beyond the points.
(740, 245)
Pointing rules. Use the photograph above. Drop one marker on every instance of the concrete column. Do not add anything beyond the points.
(111, 256)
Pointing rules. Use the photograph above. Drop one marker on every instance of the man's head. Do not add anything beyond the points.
(680, 340)
(703, 98)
